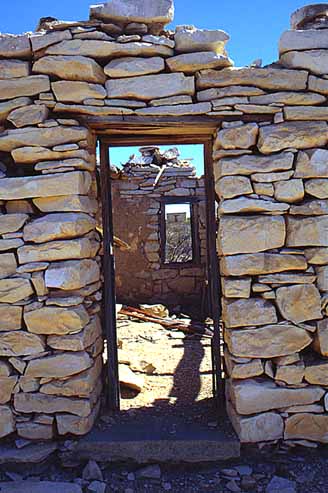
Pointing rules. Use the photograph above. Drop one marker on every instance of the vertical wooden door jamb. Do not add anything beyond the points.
(109, 311)
(213, 277)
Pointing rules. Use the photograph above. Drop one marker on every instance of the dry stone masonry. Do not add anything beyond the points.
(138, 192)
(271, 177)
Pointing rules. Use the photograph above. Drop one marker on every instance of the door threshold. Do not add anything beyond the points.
(160, 439)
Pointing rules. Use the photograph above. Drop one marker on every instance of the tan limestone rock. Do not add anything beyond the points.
(75, 182)
(251, 234)
(68, 423)
(58, 250)
(313, 60)
(78, 68)
(41, 403)
(7, 106)
(317, 187)
(309, 39)
(7, 385)
(287, 360)
(41, 40)
(16, 289)
(310, 208)
(55, 320)
(254, 311)
(35, 154)
(20, 343)
(298, 113)
(149, 87)
(59, 365)
(236, 288)
(316, 256)
(299, 135)
(10, 317)
(72, 274)
(12, 139)
(242, 137)
(10, 69)
(106, 49)
(307, 426)
(81, 385)
(318, 85)
(291, 374)
(264, 78)
(130, 379)
(52, 166)
(228, 187)
(58, 226)
(7, 421)
(189, 39)
(260, 428)
(253, 368)
(5, 369)
(28, 384)
(289, 191)
(255, 396)
(34, 431)
(247, 165)
(8, 265)
(133, 66)
(229, 91)
(264, 189)
(171, 100)
(320, 343)
(288, 278)
(267, 342)
(23, 86)
(245, 204)
(13, 46)
(260, 263)
(307, 231)
(192, 62)
(9, 223)
(299, 303)
(83, 109)
(312, 164)
(141, 11)
(176, 110)
(322, 278)
(77, 92)
(317, 373)
(19, 207)
(28, 115)
(291, 98)
(79, 341)
(67, 203)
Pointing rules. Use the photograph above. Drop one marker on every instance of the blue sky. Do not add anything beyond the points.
(254, 26)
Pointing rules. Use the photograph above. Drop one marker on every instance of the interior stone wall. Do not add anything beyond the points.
(270, 160)
(141, 276)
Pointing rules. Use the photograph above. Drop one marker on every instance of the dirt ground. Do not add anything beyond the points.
(175, 367)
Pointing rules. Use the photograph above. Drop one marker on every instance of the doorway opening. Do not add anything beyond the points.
(162, 299)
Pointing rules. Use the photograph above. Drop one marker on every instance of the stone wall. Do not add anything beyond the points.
(141, 276)
(270, 159)
(271, 179)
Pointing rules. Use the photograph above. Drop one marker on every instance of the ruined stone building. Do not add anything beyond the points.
(122, 78)
(142, 201)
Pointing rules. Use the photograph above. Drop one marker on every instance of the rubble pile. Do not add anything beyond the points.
(154, 157)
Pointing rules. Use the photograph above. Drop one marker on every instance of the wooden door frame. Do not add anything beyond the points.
(161, 136)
